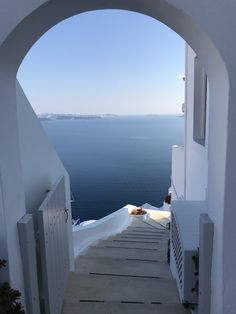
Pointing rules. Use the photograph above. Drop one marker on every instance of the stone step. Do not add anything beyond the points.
(122, 289)
(142, 236)
(124, 238)
(120, 266)
(137, 222)
(128, 233)
(139, 245)
(145, 227)
(145, 232)
(123, 253)
(121, 308)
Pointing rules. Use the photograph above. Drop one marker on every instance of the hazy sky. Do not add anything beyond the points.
(107, 61)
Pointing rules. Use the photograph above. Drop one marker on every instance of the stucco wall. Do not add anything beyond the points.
(40, 163)
(114, 223)
(41, 166)
(196, 155)
(12, 192)
(29, 166)
(102, 228)
(178, 173)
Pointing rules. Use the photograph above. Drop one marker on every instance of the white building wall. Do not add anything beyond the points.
(41, 165)
(178, 173)
(190, 163)
(3, 232)
(196, 155)
(12, 205)
(29, 166)
(204, 178)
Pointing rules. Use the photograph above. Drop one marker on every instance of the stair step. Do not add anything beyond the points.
(141, 232)
(150, 223)
(139, 245)
(142, 237)
(135, 253)
(135, 237)
(120, 266)
(93, 287)
(159, 242)
(124, 308)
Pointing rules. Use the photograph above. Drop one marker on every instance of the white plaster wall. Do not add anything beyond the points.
(3, 245)
(196, 155)
(210, 162)
(41, 166)
(12, 12)
(12, 205)
(162, 216)
(40, 162)
(102, 228)
(84, 236)
(178, 172)
(25, 174)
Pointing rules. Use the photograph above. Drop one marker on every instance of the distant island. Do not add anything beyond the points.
(55, 116)
(65, 116)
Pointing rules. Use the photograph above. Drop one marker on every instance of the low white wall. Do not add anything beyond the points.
(166, 206)
(112, 224)
(158, 214)
(102, 228)
(178, 172)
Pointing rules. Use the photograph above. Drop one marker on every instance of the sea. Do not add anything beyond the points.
(114, 161)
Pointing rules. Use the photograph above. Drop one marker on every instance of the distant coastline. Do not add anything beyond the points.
(54, 116)
(57, 116)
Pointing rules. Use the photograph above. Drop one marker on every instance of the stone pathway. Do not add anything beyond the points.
(125, 274)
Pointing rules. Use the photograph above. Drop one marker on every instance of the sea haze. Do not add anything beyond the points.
(116, 161)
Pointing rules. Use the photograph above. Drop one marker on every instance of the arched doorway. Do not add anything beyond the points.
(28, 27)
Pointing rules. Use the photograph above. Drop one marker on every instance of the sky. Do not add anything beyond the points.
(108, 61)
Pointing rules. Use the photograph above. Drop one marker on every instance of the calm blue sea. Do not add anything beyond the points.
(116, 161)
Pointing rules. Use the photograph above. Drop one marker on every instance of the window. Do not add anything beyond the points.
(200, 99)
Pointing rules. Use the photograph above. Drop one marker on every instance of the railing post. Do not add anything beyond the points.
(206, 230)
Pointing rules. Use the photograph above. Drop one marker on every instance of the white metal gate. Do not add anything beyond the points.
(54, 252)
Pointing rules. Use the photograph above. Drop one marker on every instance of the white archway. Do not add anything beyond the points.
(33, 20)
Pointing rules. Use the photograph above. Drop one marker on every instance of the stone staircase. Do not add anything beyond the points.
(127, 273)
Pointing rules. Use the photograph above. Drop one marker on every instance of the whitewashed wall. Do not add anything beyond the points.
(102, 228)
(178, 173)
(41, 166)
(196, 155)
(109, 225)
(23, 184)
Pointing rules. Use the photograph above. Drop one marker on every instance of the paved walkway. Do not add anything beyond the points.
(125, 274)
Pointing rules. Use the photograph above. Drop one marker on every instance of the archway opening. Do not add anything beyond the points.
(118, 67)
(36, 22)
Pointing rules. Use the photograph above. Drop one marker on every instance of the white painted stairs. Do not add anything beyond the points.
(127, 273)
